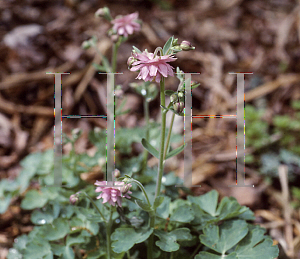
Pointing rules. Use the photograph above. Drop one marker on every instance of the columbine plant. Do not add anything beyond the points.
(110, 218)
(155, 67)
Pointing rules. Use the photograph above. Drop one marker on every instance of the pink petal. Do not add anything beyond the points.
(121, 31)
(136, 68)
(158, 78)
(145, 72)
(163, 69)
(129, 29)
(119, 201)
(153, 70)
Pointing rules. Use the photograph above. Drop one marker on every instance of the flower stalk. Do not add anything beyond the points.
(169, 136)
(146, 114)
(162, 138)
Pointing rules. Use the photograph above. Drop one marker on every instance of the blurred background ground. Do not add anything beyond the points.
(230, 36)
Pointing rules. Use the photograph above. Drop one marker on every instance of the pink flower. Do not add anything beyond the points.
(126, 24)
(152, 68)
(113, 194)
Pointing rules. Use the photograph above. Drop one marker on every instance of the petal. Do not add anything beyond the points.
(111, 203)
(121, 31)
(153, 70)
(136, 68)
(100, 182)
(141, 56)
(129, 29)
(119, 201)
(163, 69)
(158, 78)
(145, 72)
(170, 70)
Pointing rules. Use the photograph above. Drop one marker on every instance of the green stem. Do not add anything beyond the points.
(143, 190)
(169, 135)
(162, 139)
(114, 57)
(94, 204)
(108, 234)
(161, 165)
(128, 255)
(151, 239)
(146, 113)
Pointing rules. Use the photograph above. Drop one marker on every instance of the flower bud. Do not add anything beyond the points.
(104, 13)
(173, 97)
(73, 199)
(178, 107)
(117, 173)
(130, 61)
(176, 48)
(125, 188)
(86, 44)
(180, 94)
(175, 42)
(186, 45)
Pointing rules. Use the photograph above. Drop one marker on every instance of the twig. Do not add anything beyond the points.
(288, 230)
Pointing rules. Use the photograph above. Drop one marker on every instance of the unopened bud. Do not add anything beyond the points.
(117, 173)
(178, 107)
(125, 188)
(173, 97)
(186, 45)
(130, 61)
(103, 12)
(175, 42)
(73, 199)
(86, 44)
(180, 94)
(177, 48)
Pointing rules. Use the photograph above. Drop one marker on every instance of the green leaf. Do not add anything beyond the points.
(150, 148)
(46, 163)
(58, 229)
(4, 203)
(14, 254)
(125, 238)
(182, 234)
(195, 86)
(256, 245)
(136, 49)
(46, 216)
(162, 210)
(68, 253)
(167, 241)
(37, 249)
(207, 255)
(158, 201)
(169, 92)
(175, 151)
(75, 240)
(224, 237)
(183, 214)
(34, 199)
(143, 205)
(207, 202)
(168, 45)
(230, 208)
